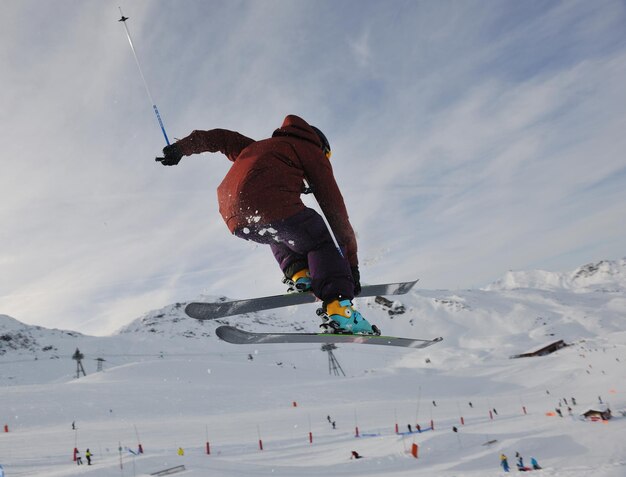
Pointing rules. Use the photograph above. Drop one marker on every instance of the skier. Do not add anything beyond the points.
(88, 456)
(259, 199)
(535, 464)
(355, 455)
(504, 462)
(520, 463)
(79, 460)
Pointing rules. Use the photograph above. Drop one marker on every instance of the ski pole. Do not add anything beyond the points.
(309, 190)
(145, 84)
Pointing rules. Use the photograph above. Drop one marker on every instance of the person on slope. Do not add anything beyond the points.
(504, 462)
(259, 199)
(535, 464)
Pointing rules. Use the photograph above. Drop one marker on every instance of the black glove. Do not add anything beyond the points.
(356, 277)
(171, 155)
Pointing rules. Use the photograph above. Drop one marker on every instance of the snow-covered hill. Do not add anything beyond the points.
(169, 383)
(17, 338)
(607, 275)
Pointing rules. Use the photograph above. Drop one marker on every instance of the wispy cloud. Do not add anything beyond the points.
(467, 142)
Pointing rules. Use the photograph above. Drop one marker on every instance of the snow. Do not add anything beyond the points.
(169, 383)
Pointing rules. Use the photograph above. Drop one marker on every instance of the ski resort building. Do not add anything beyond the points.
(598, 413)
(547, 349)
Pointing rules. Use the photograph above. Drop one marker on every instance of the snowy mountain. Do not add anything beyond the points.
(19, 338)
(605, 275)
(167, 382)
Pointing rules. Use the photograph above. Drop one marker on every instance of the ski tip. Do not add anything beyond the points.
(226, 330)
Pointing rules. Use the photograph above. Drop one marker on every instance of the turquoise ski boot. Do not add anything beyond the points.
(342, 318)
(299, 282)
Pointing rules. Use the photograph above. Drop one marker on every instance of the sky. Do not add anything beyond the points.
(469, 138)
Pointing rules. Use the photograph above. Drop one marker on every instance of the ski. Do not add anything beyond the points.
(212, 311)
(234, 335)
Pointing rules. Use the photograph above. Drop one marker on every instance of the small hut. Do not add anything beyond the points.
(544, 350)
(600, 412)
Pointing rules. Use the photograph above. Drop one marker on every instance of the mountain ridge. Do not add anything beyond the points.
(603, 276)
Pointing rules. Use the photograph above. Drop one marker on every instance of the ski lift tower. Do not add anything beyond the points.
(333, 364)
(100, 362)
(78, 357)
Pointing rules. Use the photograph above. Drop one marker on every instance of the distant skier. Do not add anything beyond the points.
(410, 429)
(520, 464)
(418, 428)
(88, 456)
(356, 455)
(79, 460)
(259, 200)
(504, 462)
(535, 464)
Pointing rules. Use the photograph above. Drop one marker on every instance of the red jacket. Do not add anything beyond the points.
(265, 181)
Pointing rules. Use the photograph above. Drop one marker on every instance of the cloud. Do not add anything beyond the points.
(467, 142)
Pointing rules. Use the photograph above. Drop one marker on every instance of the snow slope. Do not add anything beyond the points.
(169, 383)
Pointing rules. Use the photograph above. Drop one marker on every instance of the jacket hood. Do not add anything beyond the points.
(295, 126)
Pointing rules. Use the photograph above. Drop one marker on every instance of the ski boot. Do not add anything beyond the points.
(299, 282)
(340, 317)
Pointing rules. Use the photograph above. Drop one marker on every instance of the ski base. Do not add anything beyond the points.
(234, 335)
(212, 311)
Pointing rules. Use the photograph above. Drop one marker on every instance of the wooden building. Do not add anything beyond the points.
(598, 413)
(544, 350)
